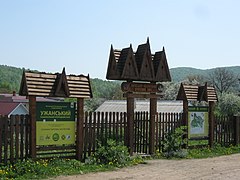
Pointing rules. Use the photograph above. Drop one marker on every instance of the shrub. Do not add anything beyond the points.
(173, 143)
(112, 153)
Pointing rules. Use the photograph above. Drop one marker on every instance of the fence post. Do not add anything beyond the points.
(32, 113)
(211, 123)
(236, 124)
(185, 120)
(153, 112)
(130, 124)
(80, 133)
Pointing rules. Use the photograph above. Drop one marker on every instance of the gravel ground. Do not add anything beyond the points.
(224, 167)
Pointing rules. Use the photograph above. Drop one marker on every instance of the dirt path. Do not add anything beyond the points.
(224, 167)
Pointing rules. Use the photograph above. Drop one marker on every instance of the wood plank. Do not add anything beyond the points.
(80, 129)
(38, 87)
(30, 79)
(39, 94)
(17, 130)
(77, 78)
(40, 75)
(79, 93)
(12, 119)
(6, 137)
(81, 90)
(83, 86)
(78, 82)
(1, 136)
(22, 127)
(40, 83)
(40, 90)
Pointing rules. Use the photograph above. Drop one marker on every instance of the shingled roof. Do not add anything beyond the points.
(197, 93)
(142, 65)
(55, 85)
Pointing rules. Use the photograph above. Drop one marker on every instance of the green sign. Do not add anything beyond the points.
(198, 125)
(55, 123)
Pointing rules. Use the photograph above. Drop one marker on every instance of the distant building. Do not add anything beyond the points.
(23, 99)
(12, 104)
(12, 108)
(141, 105)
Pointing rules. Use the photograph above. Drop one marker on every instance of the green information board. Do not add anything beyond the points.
(55, 123)
(198, 125)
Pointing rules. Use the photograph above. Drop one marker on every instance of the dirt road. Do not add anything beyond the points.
(224, 167)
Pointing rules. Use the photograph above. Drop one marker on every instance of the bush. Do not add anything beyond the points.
(173, 143)
(112, 153)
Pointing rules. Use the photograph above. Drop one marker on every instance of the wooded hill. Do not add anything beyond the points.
(10, 78)
(181, 73)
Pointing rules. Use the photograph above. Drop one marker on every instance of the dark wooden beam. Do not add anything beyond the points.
(32, 113)
(80, 130)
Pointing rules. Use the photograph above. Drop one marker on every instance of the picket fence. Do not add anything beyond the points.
(98, 128)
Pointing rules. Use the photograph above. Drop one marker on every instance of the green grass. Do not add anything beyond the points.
(42, 169)
(217, 150)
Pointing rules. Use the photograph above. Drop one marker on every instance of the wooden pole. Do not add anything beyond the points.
(32, 113)
(185, 120)
(153, 112)
(236, 120)
(80, 133)
(211, 123)
(130, 124)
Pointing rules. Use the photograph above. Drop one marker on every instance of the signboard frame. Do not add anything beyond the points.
(198, 122)
(55, 123)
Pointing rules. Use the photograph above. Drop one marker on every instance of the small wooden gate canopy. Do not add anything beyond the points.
(35, 84)
(125, 64)
(142, 65)
(55, 85)
(199, 93)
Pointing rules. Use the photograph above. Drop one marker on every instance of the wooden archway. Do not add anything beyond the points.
(141, 71)
(39, 84)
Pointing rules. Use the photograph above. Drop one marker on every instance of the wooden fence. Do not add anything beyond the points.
(14, 138)
(227, 130)
(98, 127)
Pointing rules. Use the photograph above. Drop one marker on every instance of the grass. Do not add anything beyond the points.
(217, 150)
(43, 169)
(204, 152)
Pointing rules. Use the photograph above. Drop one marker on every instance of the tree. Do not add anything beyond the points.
(228, 104)
(223, 79)
(195, 79)
(170, 90)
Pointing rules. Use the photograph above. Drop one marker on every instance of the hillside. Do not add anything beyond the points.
(10, 78)
(179, 74)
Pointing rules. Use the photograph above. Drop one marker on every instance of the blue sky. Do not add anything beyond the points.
(47, 35)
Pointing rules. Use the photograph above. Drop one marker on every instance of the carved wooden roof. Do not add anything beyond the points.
(197, 93)
(55, 85)
(142, 65)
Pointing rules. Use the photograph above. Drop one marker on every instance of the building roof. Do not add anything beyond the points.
(9, 108)
(141, 105)
(21, 99)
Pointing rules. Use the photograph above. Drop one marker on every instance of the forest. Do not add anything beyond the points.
(226, 81)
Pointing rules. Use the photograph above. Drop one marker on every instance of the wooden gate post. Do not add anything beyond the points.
(211, 123)
(32, 113)
(236, 123)
(80, 133)
(185, 120)
(130, 124)
(153, 112)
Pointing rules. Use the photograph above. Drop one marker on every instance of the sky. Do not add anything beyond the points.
(47, 35)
